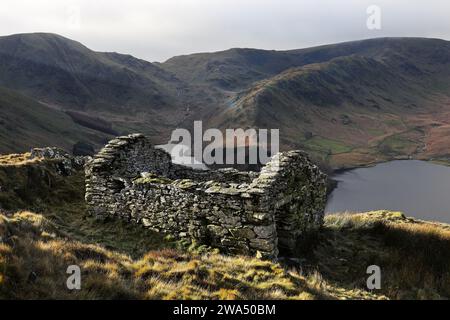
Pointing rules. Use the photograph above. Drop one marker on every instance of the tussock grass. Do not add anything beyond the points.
(414, 255)
(16, 159)
(123, 261)
(34, 184)
(34, 257)
(45, 228)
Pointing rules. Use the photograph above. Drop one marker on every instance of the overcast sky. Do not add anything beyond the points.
(156, 30)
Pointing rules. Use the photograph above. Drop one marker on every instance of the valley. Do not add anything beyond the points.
(348, 104)
(234, 157)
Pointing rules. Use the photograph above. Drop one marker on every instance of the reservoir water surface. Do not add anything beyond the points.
(419, 189)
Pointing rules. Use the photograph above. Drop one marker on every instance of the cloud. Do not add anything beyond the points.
(159, 29)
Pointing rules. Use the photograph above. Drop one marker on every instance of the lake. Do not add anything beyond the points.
(419, 189)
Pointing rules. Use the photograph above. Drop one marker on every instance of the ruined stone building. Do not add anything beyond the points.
(239, 212)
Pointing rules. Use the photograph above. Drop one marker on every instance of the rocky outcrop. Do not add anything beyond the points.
(238, 212)
(40, 179)
(66, 163)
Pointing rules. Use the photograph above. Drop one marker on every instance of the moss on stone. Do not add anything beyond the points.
(185, 184)
(153, 179)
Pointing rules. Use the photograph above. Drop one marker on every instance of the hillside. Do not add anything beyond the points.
(63, 72)
(46, 228)
(347, 104)
(25, 122)
(251, 65)
(123, 92)
(42, 255)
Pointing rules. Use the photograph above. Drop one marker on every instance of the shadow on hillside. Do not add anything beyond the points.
(414, 257)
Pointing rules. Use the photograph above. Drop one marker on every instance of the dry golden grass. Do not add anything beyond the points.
(414, 255)
(34, 258)
(36, 184)
(120, 260)
(17, 159)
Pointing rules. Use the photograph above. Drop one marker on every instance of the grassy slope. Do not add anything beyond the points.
(353, 104)
(35, 252)
(119, 92)
(350, 97)
(121, 260)
(25, 123)
(41, 255)
(62, 71)
(414, 255)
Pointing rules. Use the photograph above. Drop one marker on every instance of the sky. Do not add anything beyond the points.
(156, 30)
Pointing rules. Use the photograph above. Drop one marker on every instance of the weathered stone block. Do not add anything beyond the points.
(240, 212)
(265, 232)
(246, 233)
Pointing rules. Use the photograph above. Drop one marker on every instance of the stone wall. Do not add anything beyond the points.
(65, 163)
(238, 212)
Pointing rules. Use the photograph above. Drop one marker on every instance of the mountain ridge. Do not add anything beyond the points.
(347, 103)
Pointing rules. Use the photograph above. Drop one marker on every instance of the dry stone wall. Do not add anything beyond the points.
(238, 212)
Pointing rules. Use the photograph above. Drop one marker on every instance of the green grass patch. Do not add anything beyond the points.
(396, 145)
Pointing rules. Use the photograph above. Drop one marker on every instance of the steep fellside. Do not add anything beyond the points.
(126, 93)
(369, 101)
(64, 72)
(237, 68)
(25, 123)
(120, 260)
(347, 104)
